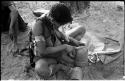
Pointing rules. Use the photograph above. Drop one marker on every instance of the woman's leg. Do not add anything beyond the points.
(19, 25)
(61, 75)
(16, 31)
(15, 47)
(76, 32)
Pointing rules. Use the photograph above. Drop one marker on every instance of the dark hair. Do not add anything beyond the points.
(61, 13)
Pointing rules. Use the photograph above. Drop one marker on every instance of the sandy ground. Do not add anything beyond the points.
(105, 20)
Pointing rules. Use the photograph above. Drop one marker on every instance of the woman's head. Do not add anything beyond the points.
(60, 13)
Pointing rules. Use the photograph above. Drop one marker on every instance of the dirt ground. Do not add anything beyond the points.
(105, 20)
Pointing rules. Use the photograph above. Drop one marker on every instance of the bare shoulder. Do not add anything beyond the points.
(39, 25)
(37, 28)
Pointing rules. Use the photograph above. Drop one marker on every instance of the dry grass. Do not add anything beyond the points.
(104, 20)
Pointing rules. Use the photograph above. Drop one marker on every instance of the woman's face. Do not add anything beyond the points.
(57, 25)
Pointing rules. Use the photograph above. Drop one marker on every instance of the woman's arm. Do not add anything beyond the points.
(71, 40)
(42, 49)
(41, 42)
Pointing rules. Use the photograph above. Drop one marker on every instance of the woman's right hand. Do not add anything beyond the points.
(69, 48)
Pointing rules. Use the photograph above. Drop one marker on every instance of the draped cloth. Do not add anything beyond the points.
(108, 63)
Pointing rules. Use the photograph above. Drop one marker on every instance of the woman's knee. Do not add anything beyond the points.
(77, 31)
(42, 68)
(81, 30)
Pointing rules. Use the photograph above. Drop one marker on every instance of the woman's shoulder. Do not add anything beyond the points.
(37, 28)
(41, 24)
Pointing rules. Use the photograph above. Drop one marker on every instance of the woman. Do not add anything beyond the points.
(51, 46)
(11, 21)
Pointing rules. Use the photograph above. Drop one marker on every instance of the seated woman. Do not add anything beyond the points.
(11, 20)
(51, 45)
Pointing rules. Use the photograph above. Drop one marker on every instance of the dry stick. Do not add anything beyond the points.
(108, 52)
(124, 55)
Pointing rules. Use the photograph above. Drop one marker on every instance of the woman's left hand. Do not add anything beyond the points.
(81, 44)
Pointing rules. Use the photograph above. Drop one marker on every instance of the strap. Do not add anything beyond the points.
(31, 49)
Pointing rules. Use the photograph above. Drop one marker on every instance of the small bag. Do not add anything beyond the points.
(81, 59)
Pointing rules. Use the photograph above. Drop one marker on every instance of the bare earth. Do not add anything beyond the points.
(105, 20)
